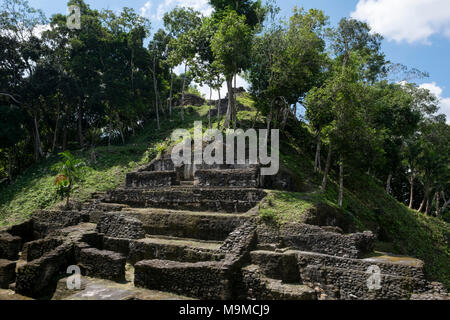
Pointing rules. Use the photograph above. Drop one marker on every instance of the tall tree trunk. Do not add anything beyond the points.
(411, 191)
(317, 158)
(285, 117)
(122, 136)
(171, 93)
(255, 119)
(438, 198)
(388, 184)
(10, 165)
(218, 109)
(182, 93)
(234, 111)
(80, 127)
(341, 181)
(269, 123)
(327, 168)
(425, 197)
(155, 87)
(55, 133)
(209, 111)
(230, 103)
(68, 196)
(110, 133)
(38, 153)
(428, 206)
(64, 144)
(446, 202)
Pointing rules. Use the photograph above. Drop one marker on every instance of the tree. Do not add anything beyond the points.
(19, 22)
(70, 171)
(253, 11)
(180, 23)
(11, 132)
(288, 62)
(204, 68)
(231, 47)
(351, 40)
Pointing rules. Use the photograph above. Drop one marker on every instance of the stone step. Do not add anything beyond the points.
(237, 178)
(258, 287)
(175, 249)
(278, 264)
(227, 200)
(7, 273)
(188, 224)
(203, 280)
(100, 289)
(151, 179)
(398, 277)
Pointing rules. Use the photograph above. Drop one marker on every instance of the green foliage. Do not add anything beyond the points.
(70, 170)
(231, 44)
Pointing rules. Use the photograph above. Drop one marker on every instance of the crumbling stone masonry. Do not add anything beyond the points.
(195, 231)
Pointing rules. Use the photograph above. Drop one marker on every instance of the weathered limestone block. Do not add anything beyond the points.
(46, 222)
(195, 199)
(324, 215)
(149, 249)
(192, 100)
(120, 226)
(255, 286)
(37, 278)
(162, 164)
(7, 273)
(312, 238)
(121, 246)
(203, 280)
(36, 249)
(203, 226)
(23, 230)
(153, 179)
(241, 241)
(103, 264)
(244, 178)
(352, 284)
(10, 246)
(276, 264)
(283, 180)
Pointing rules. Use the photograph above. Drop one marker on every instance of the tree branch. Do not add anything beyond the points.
(11, 97)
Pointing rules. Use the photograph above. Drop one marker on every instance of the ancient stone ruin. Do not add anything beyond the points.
(194, 232)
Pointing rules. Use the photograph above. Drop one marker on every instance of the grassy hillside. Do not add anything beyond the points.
(366, 204)
(35, 188)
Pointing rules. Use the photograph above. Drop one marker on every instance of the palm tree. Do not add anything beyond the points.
(70, 171)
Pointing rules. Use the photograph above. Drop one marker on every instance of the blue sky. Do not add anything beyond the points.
(417, 33)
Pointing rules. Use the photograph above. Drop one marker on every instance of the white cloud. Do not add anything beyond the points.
(406, 20)
(146, 9)
(199, 5)
(444, 103)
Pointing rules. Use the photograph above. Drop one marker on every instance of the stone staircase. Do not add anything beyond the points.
(194, 232)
